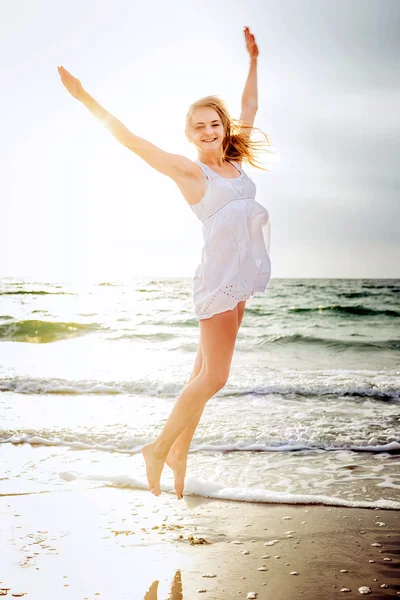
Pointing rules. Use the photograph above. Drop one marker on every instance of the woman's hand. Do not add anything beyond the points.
(71, 83)
(250, 43)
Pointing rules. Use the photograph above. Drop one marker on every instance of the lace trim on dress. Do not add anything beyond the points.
(239, 186)
(228, 292)
(238, 183)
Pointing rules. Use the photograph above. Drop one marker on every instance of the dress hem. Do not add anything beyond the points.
(218, 312)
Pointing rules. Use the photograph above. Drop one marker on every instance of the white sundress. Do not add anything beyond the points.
(235, 261)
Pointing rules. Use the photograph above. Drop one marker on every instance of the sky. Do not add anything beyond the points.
(76, 205)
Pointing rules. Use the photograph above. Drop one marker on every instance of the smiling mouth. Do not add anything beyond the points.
(213, 140)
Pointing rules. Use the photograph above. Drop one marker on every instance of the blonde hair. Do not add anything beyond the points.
(237, 144)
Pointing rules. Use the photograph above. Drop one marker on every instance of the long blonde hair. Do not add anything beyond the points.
(237, 144)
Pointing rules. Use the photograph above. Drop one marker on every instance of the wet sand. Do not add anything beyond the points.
(117, 543)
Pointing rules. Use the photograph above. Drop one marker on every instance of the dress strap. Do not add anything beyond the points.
(207, 176)
(236, 165)
(207, 172)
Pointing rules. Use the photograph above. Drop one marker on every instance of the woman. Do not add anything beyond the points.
(235, 259)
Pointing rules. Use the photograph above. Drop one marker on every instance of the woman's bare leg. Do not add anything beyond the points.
(218, 337)
(178, 454)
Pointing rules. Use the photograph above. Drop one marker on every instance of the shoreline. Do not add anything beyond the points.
(116, 542)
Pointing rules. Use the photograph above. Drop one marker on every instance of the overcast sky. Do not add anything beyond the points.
(77, 204)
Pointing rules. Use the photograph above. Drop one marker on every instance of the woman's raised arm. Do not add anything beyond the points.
(172, 165)
(250, 92)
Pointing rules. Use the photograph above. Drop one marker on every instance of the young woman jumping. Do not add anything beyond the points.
(235, 262)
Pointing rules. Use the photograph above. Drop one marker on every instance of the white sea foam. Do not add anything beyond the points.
(321, 384)
(207, 489)
(132, 446)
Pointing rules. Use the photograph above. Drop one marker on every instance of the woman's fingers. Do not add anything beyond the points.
(64, 74)
(247, 33)
(249, 36)
(63, 71)
(71, 83)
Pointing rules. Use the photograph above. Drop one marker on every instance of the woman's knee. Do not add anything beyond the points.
(214, 379)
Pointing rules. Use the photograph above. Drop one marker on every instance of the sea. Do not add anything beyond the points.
(310, 413)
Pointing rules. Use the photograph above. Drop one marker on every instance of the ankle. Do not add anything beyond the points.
(160, 449)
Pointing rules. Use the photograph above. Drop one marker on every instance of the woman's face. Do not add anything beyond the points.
(206, 124)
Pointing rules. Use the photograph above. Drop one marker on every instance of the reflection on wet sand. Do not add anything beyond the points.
(175, 593)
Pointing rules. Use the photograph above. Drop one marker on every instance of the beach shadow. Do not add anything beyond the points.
(175, 593)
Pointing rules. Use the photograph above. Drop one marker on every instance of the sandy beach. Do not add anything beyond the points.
(119, 543)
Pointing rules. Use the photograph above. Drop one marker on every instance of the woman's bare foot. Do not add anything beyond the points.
(154, 466)
(177, 463)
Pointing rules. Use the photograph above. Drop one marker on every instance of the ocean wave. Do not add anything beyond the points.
(257, 311)
(156, 388)
(208, 489)
(358, 310)
(124, 444)
(110, 284)
(371, 285)
(40, 332)
(338, 309)
(35, 293)
(298, 338)
(355, 294)
(160, 336)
